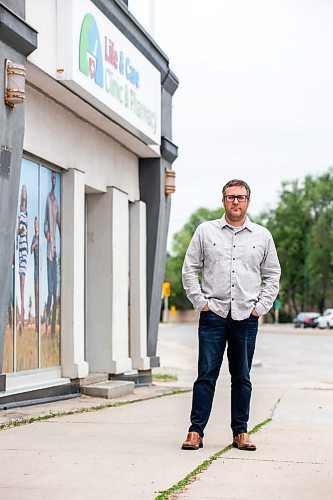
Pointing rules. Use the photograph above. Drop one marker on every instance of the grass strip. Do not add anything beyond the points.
(192, 476)
(164, 377)
(75, 411)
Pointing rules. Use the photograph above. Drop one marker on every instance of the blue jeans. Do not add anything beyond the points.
(215, 333)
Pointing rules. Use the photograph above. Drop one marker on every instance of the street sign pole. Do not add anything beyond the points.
(277, 305)
(166, 310)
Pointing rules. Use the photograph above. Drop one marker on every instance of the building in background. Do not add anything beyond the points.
(90, 199)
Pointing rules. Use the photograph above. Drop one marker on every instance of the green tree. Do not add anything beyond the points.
(289, 223)
(319, 261)
(301, 225)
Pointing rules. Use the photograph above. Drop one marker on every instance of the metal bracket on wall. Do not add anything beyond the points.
(170, 181)
(5, 160)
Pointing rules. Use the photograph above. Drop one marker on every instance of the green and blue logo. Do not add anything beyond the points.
(91, 57)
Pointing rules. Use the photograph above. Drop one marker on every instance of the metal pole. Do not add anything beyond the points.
(166, 310)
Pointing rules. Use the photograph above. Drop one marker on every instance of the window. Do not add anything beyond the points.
(33, 319)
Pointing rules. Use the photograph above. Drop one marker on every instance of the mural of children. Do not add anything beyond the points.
(23, 247)
(35, 250)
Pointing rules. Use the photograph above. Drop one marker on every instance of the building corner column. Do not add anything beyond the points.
(138, 288)
(73, 276)
(153, 192)
(107, 282)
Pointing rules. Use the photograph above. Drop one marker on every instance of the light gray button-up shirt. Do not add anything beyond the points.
(240, 270)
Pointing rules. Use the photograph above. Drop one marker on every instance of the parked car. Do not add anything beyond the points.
(326, 320)
(311, 321)
(306, 320)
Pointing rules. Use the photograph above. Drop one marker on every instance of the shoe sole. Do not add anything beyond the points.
(189, 447)
(235, 445)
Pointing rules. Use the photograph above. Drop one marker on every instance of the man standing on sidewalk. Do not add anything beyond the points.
(240, 275)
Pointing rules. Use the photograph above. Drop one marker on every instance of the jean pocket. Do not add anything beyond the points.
(208, 315)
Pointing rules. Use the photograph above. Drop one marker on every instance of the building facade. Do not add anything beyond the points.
(89, 207)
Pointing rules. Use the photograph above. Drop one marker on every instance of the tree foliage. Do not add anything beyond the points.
(302, 227)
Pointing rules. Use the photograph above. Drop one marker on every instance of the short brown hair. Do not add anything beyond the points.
(237, 182)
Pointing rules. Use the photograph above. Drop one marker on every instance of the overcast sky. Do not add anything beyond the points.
(255, 99)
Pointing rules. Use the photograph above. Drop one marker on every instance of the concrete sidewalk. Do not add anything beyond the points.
(133, 451)
(294, 459)
(126, 452)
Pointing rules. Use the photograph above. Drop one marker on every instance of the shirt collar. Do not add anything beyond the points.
(247, 224)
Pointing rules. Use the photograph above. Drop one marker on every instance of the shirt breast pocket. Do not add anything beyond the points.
(213, 253)
(254, 254)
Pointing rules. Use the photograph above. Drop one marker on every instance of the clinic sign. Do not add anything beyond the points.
(102, 66)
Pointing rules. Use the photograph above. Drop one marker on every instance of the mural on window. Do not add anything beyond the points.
(33, 325)
(50, 267)
(28, 207)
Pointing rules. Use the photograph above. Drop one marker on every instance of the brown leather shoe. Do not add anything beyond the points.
(243, 442)
(193, 441)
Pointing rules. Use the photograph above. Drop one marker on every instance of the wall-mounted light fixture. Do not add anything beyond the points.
(170, 181)
(14, 83)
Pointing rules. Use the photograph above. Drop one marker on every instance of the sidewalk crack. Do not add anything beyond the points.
(182, 485)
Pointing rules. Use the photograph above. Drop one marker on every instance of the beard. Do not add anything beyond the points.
(235, 215)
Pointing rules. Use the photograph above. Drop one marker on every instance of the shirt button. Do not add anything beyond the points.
(234, 246)
(232, 285)
(232, 299)
(233, 271)
(233, 258)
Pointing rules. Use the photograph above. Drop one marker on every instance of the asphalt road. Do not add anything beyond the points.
(299, 356)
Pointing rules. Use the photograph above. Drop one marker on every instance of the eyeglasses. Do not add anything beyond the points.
(241, 198)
